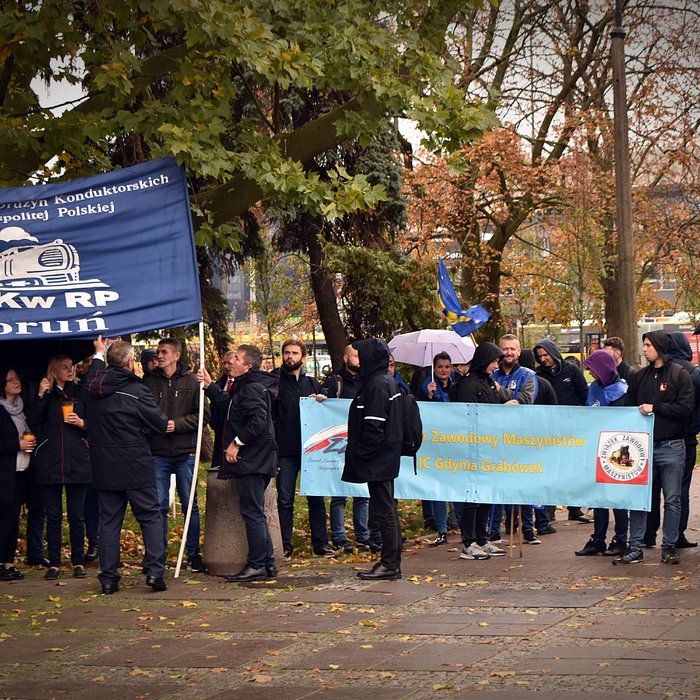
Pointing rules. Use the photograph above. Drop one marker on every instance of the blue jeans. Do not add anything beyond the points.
(601, 520)
(183, 468)
(438, 511)
(638, 526)
(669, 463)
(289, 467)
(360, 511)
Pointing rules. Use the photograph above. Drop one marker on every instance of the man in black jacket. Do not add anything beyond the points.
(681, 353)
(373, 453)
(121, 418)
(479, 387)
(344, 385)
(294, 383)
(250, 453)
(218, 411)
(569, 385)
(663, 388)
(176, 391)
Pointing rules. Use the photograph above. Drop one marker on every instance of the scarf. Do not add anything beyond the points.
(16, 411)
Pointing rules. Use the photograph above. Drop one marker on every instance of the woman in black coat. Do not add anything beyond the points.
(15, 451)
(62, 460)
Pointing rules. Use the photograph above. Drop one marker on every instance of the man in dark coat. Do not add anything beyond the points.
(250, 454)
(569, 385)
(122, 418)
(665, 389)
(681, 353)
(177, 393)
(373, 454)
(217, 421)
(479, 387)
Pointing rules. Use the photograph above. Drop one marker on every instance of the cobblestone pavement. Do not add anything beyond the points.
(549, 625)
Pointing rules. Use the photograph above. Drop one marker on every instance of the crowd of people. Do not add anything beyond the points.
(109, 438)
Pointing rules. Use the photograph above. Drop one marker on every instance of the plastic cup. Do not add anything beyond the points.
(28, 435)
(67, 408)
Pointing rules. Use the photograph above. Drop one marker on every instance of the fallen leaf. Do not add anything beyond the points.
(335, 667)
(260, 678)
(98, 679)
(192, 582)
(55, 649)
(368, 623)
(366, 646)
(187, 604)
(54, 598)
(442, 686)
(502, 674)
(220, 669)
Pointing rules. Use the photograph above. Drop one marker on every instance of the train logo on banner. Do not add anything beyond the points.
(623, 458)
(330, 440)
(32, 264)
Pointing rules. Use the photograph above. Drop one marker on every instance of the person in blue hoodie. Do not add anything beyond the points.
(680, 353)
(607, 389)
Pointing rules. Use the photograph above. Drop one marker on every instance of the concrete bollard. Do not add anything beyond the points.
(225, 540)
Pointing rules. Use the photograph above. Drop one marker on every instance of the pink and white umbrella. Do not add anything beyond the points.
(419, 347)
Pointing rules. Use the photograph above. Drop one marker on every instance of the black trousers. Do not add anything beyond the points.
(382, 512)
(144, 506)
(36, 517)
(52, 496)
(251, 497)
(475, 523)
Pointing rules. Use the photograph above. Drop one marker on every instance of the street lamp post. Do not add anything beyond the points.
(623, 196)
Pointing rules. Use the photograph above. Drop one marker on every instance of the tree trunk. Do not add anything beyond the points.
(325, 297)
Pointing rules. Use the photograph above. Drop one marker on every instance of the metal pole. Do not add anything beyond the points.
(197, 454)
(623, 196)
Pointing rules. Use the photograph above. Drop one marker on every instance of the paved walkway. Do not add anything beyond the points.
(549, 625)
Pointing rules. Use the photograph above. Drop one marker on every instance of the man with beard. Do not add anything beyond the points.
(294, 383)
(343, 385)
(373, 453)
(217, 421)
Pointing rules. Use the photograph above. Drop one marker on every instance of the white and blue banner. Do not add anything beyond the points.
(482, 453)
(109, 254)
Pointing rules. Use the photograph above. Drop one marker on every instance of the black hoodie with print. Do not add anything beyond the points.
(668, 388)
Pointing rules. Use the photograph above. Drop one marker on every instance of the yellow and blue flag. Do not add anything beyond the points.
(463, 321)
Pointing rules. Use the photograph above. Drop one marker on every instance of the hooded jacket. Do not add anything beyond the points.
(178, 397)
(668, 388)
(375, 419)
(608, 389)
(567, 380)
(122, 418)
(545, 392)
(478, 386)
(61, 455)
(681, 353)
(249, 421)
(287, 416)
(520, 381)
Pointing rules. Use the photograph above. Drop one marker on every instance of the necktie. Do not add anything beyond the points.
(229, 384)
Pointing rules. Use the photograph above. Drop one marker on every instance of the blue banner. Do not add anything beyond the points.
(109, 254)
(482, 453)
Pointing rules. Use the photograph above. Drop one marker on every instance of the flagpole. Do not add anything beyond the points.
(197, 454)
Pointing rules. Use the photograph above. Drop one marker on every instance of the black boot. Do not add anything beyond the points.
(91, 553)
(591, 549)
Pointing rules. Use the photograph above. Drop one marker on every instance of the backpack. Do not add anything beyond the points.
(412, 428)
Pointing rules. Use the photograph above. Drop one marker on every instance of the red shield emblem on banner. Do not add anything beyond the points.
(622, 458)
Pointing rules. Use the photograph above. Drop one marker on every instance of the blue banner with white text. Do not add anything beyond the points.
(109, 254)
(483, 453)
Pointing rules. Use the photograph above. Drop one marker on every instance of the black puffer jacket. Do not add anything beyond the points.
(62, 455)
(477, 386)
(375, 419)
(248, 418)
(122, 419)
(178, 397)
(567, 379)
(349, 384)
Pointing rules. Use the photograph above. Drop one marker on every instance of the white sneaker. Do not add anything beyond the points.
(493, 551)
(473, 551)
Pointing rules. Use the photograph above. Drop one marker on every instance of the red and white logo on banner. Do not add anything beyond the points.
(623, 458)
